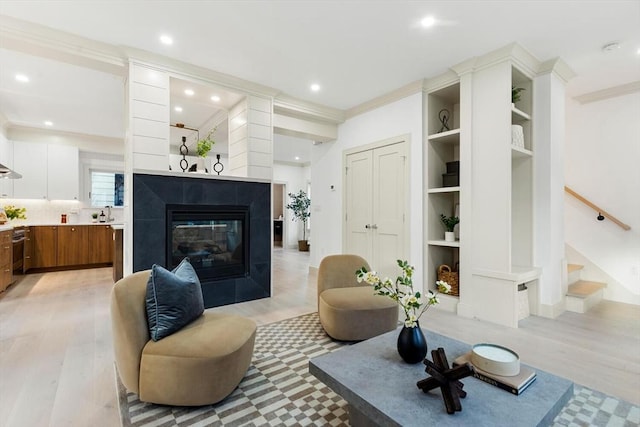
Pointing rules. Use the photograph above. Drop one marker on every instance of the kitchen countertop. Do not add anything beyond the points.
(8, 226)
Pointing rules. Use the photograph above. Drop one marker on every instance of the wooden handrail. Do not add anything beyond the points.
(597, 208)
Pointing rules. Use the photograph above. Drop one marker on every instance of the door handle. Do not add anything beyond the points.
(374, 226)
(367, 226)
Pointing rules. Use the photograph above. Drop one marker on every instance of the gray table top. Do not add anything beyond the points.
(372, 377)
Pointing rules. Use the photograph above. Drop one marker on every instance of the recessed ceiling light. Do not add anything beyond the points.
(189, 92)
(638, 52)
(48, 123)
(178, 108)
(428, 21)
(215, 98)
(297, 158)
(165, 39)
(22, 78)
(315, 87)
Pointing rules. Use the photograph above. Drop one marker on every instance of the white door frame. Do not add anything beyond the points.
(406, 139)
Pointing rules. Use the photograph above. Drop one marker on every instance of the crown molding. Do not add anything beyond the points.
(388, 98)
(443, 80)
(4, 124)
(38, 40)
(294, 107)
(611, 92)
(294, 164)
(558, 67)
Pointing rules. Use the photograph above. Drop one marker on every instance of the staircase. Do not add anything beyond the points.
(582, 294)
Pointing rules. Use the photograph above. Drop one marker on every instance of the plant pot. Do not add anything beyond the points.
(303, 246)
(449, 236)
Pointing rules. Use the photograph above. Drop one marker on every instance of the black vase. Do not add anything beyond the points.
(412, 345)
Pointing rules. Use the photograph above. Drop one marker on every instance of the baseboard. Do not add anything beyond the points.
(551, 311)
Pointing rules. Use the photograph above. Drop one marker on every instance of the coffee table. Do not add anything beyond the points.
(381, 389)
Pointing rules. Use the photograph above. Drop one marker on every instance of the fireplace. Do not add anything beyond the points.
(213, 237)
(222, 224)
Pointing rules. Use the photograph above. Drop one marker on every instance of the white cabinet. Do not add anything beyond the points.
(62, 172)
(6, 159)
(30, 160)
(48, 171)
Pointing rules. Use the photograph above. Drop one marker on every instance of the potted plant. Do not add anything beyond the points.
(13, 212)
(203, 147)
(515, 94)
(94, 217)
(449, 223)
(300, 207)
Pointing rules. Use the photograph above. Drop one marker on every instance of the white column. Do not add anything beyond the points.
(251, 138)
(549, 130)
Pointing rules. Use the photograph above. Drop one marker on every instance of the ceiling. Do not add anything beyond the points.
(355, 50)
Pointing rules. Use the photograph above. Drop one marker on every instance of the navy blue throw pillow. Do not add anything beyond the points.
(173, 299)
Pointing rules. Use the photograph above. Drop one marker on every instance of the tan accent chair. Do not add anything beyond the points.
(348, 310)
(200, 364)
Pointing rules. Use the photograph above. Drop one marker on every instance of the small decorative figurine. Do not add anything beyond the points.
(444, 115)
(448, 379)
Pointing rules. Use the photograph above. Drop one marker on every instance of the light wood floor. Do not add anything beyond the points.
(56, 357)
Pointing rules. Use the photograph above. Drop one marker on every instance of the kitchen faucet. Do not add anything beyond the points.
(109, 217)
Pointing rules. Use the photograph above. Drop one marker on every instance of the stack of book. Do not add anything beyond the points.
(515, 384)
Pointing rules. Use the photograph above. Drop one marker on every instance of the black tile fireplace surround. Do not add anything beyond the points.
(153, 193)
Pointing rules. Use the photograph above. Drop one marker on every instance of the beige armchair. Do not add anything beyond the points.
(200, 364)
(348, 310)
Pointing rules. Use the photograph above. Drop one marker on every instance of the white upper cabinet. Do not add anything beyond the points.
(62, 173)
(6, 159)
(30, 160)
(48, 171)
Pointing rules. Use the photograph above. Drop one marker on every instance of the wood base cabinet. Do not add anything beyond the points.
(6, 259)
(71, 245)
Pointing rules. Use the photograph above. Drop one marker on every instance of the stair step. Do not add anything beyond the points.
(584, 288)
(574, 267)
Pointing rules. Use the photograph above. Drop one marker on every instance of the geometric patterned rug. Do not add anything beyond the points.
(279, 391)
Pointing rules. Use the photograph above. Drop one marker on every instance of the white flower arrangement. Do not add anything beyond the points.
(413, 303)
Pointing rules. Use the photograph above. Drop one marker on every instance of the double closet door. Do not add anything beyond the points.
(376, 185)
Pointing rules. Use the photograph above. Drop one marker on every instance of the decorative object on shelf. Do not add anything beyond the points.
(184, 150)
(13, 212)
(600, 217)
(452, 177)
(443, 116)
(300, 207)
(218, 166)
(204, 145)
(517, 136)
(515, 94)
(412, 302)
(94, 217)
(449, 223)
(446, 274)
(447, 379)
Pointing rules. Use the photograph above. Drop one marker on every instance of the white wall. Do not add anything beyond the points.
(401, 117)
(295, 179)
(602, 163)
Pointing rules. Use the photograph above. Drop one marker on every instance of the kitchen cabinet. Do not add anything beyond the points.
(62, 172)
(101, 241)
(30, 159)
(6, 259)
(48, 171)
(28, 250)
(71, 245)
(6, 159)
(45, 246)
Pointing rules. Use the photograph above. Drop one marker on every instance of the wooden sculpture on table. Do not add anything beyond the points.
(448, 379)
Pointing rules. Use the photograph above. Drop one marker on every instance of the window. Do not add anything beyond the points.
(107, 189)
